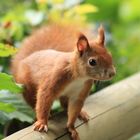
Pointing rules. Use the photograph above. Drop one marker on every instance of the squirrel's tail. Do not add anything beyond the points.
(57, 37)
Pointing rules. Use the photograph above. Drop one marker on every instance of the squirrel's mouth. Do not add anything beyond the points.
(102, 79)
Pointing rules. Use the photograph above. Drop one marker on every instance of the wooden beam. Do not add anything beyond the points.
(114, 115)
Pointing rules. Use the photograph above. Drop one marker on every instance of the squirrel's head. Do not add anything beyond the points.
(94, 60)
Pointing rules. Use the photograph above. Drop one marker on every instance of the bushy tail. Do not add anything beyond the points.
(56, 37)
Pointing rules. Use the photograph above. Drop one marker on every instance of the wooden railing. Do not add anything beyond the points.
(114, 115)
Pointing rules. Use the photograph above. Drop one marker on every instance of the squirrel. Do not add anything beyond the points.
(60, 62)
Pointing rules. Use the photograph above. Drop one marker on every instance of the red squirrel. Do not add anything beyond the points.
(59, 62)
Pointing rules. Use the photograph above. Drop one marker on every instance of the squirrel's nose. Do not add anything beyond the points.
(112, 73)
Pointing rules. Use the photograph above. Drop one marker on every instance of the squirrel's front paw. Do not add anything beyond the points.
(40, 126)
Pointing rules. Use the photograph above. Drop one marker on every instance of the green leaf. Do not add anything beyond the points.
(21, 116)
(85, 8)
(3, 117)
(7, 83)
(6, 50)
(54, 2)
(56, 105)
(7, 107)
(1, 136)
(22, 111)
(30, 14)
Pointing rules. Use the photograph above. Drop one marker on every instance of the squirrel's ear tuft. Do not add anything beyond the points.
(101, 36)
(82, 43)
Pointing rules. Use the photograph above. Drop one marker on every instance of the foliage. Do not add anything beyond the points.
(12, 106)
(121, 19)
(9, 102)
(6, 50)
(20, 20)
(8, 83)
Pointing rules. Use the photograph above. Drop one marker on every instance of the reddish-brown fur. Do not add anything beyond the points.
(64, 73)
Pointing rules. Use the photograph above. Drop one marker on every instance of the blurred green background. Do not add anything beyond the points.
(18, 18)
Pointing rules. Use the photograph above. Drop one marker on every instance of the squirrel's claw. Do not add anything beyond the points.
(83, 116)
(74, 133)
(40, 126)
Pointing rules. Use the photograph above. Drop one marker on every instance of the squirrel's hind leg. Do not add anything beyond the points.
(64, 102)
(83, 115)
(29, 95)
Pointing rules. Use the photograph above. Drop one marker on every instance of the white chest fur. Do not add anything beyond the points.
(74, 88)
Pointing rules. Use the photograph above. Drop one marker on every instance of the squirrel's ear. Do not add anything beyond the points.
(101, 36)
(82, 43)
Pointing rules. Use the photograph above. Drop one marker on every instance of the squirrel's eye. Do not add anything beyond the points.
(92, 62)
